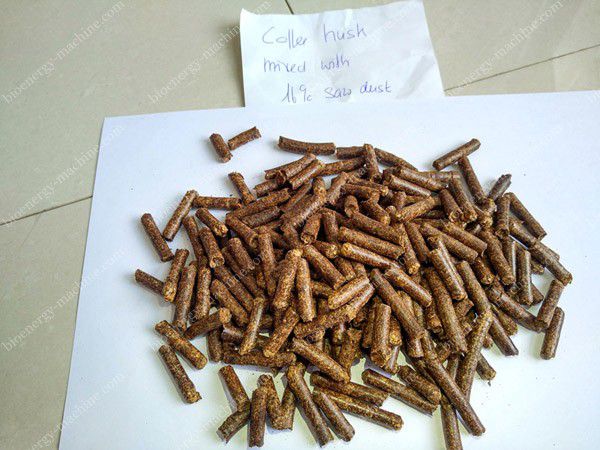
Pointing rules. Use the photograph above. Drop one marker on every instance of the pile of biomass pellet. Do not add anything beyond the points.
(305, 274)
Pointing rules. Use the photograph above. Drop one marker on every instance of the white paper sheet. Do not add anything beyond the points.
(354, 55)
(120, 395)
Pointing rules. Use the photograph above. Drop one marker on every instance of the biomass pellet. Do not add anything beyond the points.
(186, 387)
(552, 335)
(243, 138)
(181, 211)
(183, 299)
(234, 387)
(340, 424)
(147, 280)
(170, 285)
(546, 311)
(159, 243)
(453, 156)
(181, 345)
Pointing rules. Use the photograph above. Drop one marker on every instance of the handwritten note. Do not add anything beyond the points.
(354, 55)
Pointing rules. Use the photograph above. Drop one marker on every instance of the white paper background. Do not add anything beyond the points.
(393, 46)
(120, 395)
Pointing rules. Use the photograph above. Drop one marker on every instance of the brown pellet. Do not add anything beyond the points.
(401, 280)
(159, 243)
(208, 323)
(502, 217)
(380, 344)
(258, 418)
(346, 165)
(446, 271)
(281, 332)
(453, 156)
(244, 232)
(186, 387)
(221, 147)
(232, 283)
(370, 159)
(273, 199)
(211, 248)
(340, 424)
(365, 410)
(320, 359)
(499, 262)
(419, 383)
(214, 344)
(452, 391)
(181, 345)
(446, 311)
(295, 377)
(234, 423)
(227, 203)
(420, 179)
(306, 174)
(523, 213)
(546, 312)
(243, 138)
(215, 225)
(399, 391)
(290, 169)
(181, 211)
(552, 334)
(400, 184)
(252, 329)
(469, 213)
(287, 276)
(468, 365)
(364, 256)
(311, 229)
(294, 146)
(454, 246)
(464, 237)
(415, 210)
(323, 266)
(234, 387)
(147, 280)
(191, 228)
(170, 285)
(369, 242)
(451, 208)
(347, 292)
(237, 179)
(257, 358)
(350, 348)
(371, 226)
(335, 189)
(500, 187)
(515, 310)
(183, 299)
(226, 300)
(548, 260)
(471, 179)
(525, 292)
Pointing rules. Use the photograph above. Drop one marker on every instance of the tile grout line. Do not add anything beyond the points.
(8, 222)
(522, 67)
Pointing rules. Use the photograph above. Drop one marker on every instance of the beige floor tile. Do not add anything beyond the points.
(475, 39)
(574, 72)
(50, 129)
(41, 260)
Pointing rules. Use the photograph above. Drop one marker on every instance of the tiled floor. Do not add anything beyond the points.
(50, 131)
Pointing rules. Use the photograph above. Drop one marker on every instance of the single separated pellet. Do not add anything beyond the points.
(399, 391)
(500, 187)
(320, 359)
(453, 156)
(401, 280)
(294, 146)
(234, 387)
(252, 329)
(337, 419)
(552, 334)
(546, 312)
(170, 285)
(464, 164)
(181, 211)
(147, 280)
(186, 387)
(258, 418)
(181, 344)
(447, 384)
(543, 255)
(221, 147)
(158, 241)
(216, 226)
(295, 377)
(468, 365)
(365, 410)
(243, 138)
